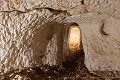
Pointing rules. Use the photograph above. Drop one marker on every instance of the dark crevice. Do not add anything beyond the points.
(54, 11)
(14, 11)
(82, 2)
(28, 10)
(102, 29)
(51, 9)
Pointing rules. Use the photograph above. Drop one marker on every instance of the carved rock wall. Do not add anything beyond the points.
(30, 39)
(31, 32)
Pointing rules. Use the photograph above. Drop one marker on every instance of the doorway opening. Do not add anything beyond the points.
(74, 39)
(73, 49)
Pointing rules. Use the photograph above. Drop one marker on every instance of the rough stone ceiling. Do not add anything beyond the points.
(109, 7)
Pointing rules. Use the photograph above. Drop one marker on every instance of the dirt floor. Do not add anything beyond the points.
(74, 70)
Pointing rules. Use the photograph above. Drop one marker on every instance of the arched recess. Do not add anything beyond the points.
(72, 46)
(74, 38)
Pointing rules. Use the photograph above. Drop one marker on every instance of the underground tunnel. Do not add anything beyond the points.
(73, 46)
(36, 43)
(74, 39)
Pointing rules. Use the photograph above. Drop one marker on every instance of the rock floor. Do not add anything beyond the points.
(74, 70)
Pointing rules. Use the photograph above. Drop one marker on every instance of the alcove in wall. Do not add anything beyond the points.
(72, 46)
(74, 39)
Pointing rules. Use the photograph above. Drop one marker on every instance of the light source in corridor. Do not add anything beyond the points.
(74, 39)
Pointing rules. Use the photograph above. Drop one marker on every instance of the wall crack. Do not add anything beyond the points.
(47, 8)
(102, 29)
(82, 2)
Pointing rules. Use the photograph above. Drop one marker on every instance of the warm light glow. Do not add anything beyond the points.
(74, 39)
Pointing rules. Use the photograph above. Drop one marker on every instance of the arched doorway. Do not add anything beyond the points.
(72, 47)
(74, 39)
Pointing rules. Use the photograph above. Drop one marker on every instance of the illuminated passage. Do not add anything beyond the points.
(74, 39)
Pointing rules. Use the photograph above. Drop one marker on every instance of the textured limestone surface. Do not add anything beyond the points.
(30, 39)
(101, 46)
(31, 32)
